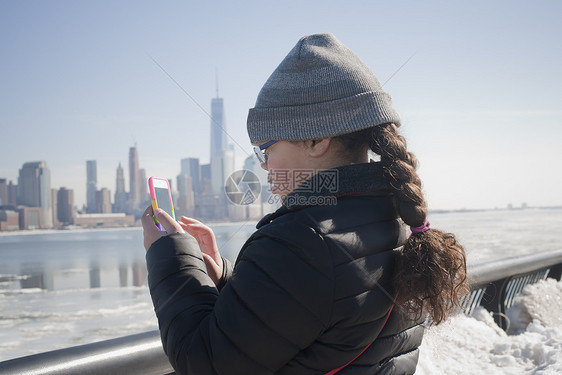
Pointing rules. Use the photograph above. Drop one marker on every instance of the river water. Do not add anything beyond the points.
(66, 288)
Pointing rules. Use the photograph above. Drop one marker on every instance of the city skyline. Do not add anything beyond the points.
(200, 191)
(476, 85)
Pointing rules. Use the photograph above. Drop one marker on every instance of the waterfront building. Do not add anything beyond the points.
(54, 204)
(252, 164)
(9, 220)
(31, 218)
(184, 202)
(143, 189)
(134, 180)
(190, 167)
(222, 166)
(121, 196)
(104, 220)
(103, 200)
(91, 185)
(263, 204)
(65, 206)
(34, 190)
(12, 194)
(3, 192)
(205, 177)
(205, 199)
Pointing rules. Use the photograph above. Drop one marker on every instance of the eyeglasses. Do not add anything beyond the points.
(260, 151)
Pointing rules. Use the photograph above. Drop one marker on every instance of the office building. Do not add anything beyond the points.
(9, 220)
(218, 126)
(3, 192)
(143, 189)
(222, 156)
(184, 202)
(9, 217)
(134, 180)
(31, 218)
(91, 185)
(34, 190)
(54, 204)
(121, 196)
(12, 194)
(205, 178)
(103, 200)
(190, 167)
(65, 206)
(266, 201)
(222, 165)
(104, 220)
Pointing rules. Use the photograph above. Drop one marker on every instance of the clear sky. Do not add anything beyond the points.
(480, 100)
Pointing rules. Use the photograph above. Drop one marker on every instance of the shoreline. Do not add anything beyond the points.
(31, 232)
(227, 223)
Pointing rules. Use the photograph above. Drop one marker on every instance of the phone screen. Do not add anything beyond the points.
(163, 200)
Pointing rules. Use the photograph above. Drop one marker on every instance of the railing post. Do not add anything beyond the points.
(494, 301)
(555, 271)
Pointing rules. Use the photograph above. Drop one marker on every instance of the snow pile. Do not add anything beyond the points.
(476, 345)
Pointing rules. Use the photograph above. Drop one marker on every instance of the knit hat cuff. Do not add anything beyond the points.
(321, 120)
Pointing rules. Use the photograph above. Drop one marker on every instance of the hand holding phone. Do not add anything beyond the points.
(161, 197)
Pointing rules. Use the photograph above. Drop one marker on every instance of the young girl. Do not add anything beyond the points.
(332, 281)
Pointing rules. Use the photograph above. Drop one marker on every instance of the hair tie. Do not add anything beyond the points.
(422, 228)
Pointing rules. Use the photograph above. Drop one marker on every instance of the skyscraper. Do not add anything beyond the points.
(65, 205)
(3, 192)
(144, 198)
(188, 186)
(54, 205)
(121, 195)
(119, 180)
(190, 167)
(12, 194)
(222, 156)
(184, 201)
(34, 190)
(222, 165)
(218, 129)
(103, 199)
(91, 185)
(134, 179)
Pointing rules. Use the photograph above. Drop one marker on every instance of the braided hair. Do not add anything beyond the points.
(430, 275)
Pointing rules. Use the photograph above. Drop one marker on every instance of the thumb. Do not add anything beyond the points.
(166, 221)
(213, 269)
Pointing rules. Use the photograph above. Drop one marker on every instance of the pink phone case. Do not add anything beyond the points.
(160, 183)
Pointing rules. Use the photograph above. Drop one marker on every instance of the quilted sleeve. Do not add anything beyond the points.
(274, 305)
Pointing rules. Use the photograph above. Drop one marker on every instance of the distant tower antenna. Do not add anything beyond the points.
(217, 80)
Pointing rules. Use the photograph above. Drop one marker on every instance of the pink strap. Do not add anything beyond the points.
(362, 351)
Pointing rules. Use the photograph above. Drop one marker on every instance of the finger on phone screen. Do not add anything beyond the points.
(166, 221)
(147, 220)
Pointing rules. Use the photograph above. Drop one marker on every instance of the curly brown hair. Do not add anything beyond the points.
(430, 275)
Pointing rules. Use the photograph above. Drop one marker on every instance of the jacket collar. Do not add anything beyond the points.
(327, 186)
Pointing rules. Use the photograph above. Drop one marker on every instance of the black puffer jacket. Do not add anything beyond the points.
(310, 290)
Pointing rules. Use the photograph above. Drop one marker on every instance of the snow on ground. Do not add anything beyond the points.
(476, 345)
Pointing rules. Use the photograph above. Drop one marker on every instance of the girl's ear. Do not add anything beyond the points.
(318, 148)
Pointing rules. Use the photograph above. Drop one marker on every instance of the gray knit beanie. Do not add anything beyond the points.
(320, 90)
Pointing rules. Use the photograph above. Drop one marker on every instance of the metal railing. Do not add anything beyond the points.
(135, 354)
(494, 286)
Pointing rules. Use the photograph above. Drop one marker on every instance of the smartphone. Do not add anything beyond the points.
(161, 197)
